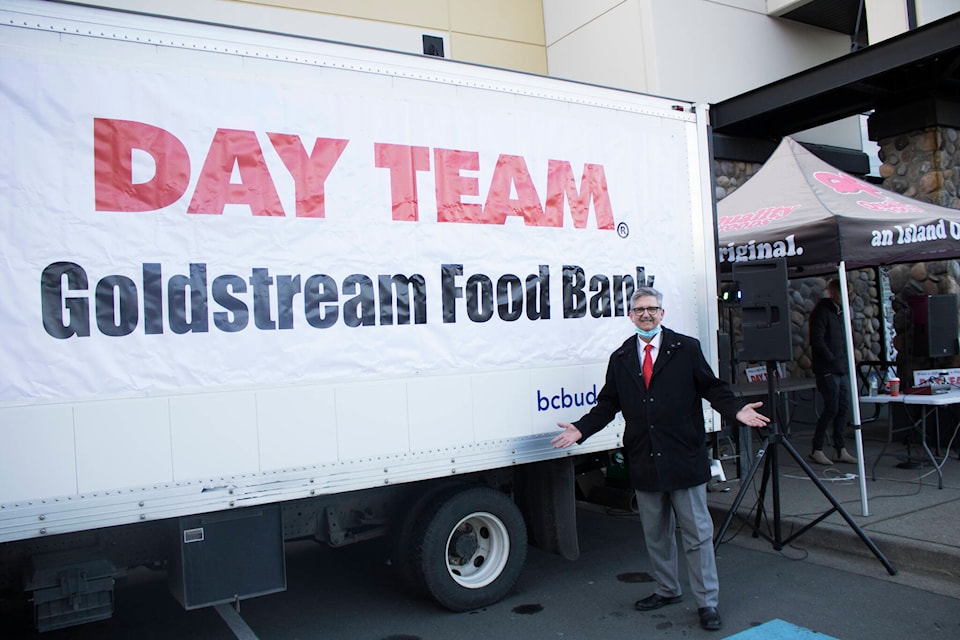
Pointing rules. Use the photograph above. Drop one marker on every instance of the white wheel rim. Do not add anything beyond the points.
(484, 563)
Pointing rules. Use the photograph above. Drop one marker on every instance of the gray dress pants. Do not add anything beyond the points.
(660, 514)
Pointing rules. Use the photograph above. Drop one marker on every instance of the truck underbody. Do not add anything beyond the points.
(459, 540)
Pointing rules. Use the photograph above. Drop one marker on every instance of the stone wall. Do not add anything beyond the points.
(728, 175)
(864, 313)
(923, 164)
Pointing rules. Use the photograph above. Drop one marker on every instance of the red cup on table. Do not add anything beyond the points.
(894, 386)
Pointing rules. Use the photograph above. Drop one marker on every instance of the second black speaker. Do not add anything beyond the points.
(765, 311)
(934, 325)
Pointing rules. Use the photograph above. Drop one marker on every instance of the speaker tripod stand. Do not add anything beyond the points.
(768, 453)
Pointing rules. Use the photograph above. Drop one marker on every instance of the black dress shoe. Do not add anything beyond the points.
(655, 602)
(709, 618)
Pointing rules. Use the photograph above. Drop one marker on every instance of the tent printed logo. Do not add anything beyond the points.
(845, 185)
(911, 233)
(758, 218)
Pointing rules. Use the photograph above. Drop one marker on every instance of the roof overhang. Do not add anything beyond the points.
(919, 66)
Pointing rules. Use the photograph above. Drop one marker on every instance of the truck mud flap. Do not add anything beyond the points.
(546, 494)
(228, 556)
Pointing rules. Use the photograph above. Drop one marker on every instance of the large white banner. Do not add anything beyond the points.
(224, 221)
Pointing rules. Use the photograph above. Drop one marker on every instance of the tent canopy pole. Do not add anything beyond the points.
(854, 394)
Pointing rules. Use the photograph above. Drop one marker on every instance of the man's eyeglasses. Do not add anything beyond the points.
(642, 310)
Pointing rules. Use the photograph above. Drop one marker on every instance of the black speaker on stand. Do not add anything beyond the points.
(765, 311)
(934, 325)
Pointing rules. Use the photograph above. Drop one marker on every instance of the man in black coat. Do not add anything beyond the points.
(657, 380)
(828, 343)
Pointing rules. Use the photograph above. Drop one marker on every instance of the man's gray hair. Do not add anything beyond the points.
(643, 292)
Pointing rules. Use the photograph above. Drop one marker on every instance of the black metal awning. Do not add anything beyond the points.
(921, 66)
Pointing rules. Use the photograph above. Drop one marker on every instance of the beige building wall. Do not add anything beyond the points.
(932, 10)
(658, 47)
(885, 19)
(605, 42)
(500, 33)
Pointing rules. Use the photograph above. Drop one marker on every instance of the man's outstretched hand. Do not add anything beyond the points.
(749, 416)
(570, 435)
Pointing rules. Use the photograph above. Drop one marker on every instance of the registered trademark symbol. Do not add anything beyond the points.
(623, 230)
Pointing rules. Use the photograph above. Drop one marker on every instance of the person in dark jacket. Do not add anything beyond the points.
(657, 380)
(829, 346)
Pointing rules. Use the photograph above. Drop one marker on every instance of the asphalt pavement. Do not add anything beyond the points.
(914, 524)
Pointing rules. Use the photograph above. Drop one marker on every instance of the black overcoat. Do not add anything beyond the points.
(664, 440)
(828, 342)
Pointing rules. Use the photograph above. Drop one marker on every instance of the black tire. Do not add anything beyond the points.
(470, 547)
(403, 539)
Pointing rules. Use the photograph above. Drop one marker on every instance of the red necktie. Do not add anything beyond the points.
(647, 365)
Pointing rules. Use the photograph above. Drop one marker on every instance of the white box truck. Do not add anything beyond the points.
(259, 288)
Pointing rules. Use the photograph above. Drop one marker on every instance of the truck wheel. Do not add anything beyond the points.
(404, 537)
(470, 548)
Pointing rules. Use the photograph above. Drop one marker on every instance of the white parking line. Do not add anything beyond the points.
(235, 622)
